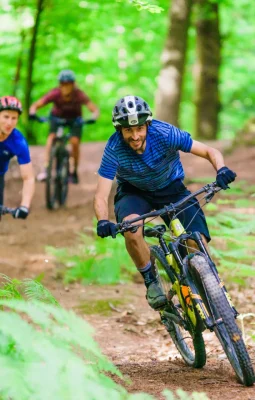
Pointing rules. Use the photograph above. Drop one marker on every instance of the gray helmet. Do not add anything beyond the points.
(66, 75)
(131, 111)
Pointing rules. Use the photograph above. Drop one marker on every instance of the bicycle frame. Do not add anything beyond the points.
(182, 279)
(185, 288)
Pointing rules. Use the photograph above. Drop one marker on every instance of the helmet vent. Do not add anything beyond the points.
(130, 104)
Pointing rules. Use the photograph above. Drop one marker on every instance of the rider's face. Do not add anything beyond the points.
(135, 137)
(66, 88)
(8, 121)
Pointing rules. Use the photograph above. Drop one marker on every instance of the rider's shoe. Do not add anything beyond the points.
(155, 295)
(73, 178)
(42, 176)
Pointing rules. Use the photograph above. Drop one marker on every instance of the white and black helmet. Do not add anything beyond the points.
(131, 111)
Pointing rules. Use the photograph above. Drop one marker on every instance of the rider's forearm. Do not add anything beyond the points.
(95, 114)
(34, 107)
(101, 208)
(27, 192)
(216, 158)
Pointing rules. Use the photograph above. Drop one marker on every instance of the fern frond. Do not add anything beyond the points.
(34, 290)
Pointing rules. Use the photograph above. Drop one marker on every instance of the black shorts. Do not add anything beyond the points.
(130, 200)
(1, 189)
(75, 130)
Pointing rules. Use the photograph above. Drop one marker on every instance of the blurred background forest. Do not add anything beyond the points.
(201, 77)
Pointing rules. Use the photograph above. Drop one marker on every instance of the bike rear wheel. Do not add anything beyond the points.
(189, 343)
(226, 330)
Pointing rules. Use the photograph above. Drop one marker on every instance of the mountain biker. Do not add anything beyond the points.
(143, 154)
(13, 143)
(67, 101)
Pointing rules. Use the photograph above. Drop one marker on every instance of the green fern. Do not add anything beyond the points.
(34, 290)
(48, 353)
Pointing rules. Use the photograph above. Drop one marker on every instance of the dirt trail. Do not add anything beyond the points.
(129, 334)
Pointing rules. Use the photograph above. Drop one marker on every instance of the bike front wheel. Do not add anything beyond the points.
(225, 327)
(189, 343)
(57, 178)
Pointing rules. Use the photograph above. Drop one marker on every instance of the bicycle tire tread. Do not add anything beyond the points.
(220, 301)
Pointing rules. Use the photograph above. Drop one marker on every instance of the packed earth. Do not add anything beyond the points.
(129, 333)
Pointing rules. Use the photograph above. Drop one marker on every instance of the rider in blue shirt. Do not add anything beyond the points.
(143, 154)
(13, 143)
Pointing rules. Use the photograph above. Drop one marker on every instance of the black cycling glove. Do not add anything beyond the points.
(106, 228)
(225, 176)
(21, 212)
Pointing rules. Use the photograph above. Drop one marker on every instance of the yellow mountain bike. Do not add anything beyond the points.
(196, 297)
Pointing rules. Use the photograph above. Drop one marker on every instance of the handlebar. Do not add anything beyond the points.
(6, 210)
(128, 225)
(79, 121)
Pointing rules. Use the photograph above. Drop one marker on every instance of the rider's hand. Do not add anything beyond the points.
(225, 176)
(21, 212)
(106, 228)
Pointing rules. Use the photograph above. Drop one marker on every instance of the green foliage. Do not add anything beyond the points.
(104, 306)
(27, 289)
(96, 261)
(47, 352)
(133, 33)
(234, 233)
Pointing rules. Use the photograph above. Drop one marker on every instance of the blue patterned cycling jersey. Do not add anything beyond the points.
(14, 145)
(156, 167)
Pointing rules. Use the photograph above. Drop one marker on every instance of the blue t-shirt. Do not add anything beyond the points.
(156, 167)
(14, 145)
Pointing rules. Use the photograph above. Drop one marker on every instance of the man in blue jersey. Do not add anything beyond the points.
(13, 143)
(143, 154)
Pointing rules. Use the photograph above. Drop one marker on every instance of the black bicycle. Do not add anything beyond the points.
(197, 299)
(6, 210)
(58, 168)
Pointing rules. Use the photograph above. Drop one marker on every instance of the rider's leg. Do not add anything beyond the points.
(1, 190)
(128, 206)
(76, 133)
(75, 142)
(43, 175)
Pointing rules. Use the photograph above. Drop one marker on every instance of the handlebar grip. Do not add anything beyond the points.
(6, 210)
(34, 117)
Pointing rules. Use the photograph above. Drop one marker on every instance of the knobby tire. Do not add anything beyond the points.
(227, 332)
(195, 357)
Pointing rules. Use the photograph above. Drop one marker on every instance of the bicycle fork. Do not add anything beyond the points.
(198, 239)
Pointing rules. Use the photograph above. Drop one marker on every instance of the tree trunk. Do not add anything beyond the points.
(31, 57)
(168, 95)
(19, 64)
(207, 70)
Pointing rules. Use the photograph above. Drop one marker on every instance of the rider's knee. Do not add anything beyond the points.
(133, 237)
(75, 141)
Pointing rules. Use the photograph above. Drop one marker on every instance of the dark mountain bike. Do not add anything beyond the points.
(196, 297)
(6, 210)
(58, 168)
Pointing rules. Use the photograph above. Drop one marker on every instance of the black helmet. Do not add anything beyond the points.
(66, 76)
(131, 111)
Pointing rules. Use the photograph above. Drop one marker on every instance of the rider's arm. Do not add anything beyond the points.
(34, 107)
(93, 109)
(103, 190)
(27, 174)
(210, 153)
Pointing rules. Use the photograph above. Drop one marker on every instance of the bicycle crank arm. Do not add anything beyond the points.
(172, 317)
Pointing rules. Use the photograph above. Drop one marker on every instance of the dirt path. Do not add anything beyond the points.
(129, 334)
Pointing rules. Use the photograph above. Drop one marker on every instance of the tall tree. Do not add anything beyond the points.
(168, 95)
(19, 63)
(31, 58)
(207, 69)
